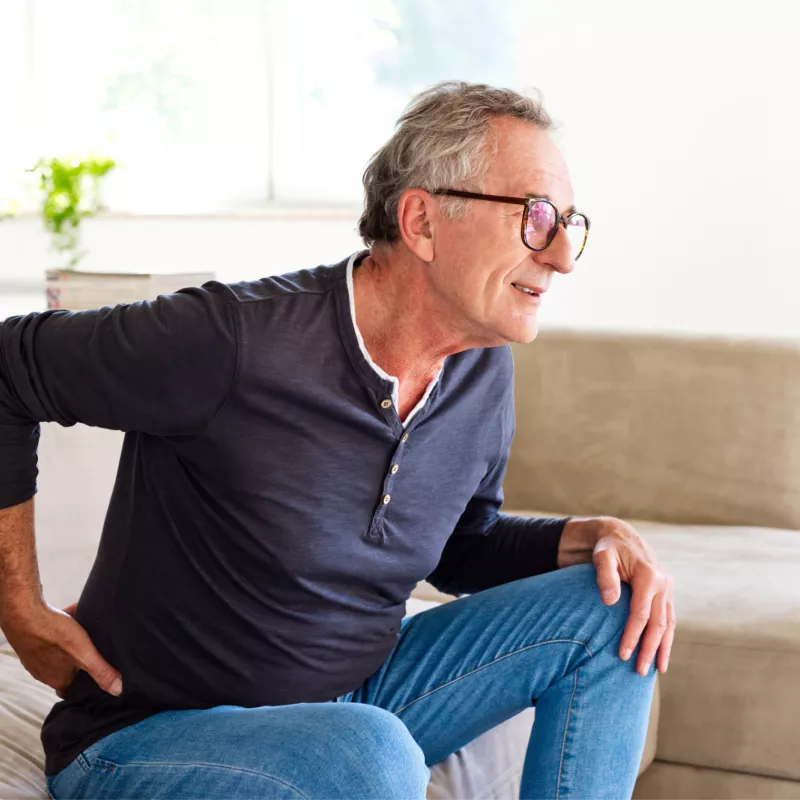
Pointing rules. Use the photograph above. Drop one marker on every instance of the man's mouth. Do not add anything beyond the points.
(533, 291)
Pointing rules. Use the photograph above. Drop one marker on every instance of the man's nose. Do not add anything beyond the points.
(559, 255)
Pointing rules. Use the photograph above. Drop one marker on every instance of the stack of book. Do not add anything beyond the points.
(78, 291)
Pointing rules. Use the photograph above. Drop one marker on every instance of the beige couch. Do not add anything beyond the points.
(665, 430)
(698, 442)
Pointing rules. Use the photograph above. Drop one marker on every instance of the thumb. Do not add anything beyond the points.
(90, 660)
(605, 561)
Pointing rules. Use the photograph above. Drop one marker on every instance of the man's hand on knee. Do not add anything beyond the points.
(619, 554)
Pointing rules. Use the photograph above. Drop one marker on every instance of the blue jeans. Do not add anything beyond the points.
(457, 670)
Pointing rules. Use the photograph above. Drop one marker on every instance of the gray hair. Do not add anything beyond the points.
(439, 142)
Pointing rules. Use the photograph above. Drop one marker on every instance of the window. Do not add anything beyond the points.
(344, 74)
(174, 91)
(211, 104)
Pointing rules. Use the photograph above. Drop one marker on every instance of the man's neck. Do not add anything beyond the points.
(397, 314)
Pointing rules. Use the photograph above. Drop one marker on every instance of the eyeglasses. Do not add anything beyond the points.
(540, 220)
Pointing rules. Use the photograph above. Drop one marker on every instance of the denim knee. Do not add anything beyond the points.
(611, 619)
(377, 755)
(601, 624)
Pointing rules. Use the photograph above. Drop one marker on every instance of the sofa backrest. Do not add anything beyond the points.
(677, 429)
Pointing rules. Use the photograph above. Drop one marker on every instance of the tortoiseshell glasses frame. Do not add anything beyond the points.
(528, 203)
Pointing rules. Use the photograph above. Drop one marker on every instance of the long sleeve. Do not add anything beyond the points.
(163, 367)
(487, 547)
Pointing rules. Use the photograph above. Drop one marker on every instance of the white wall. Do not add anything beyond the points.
(680, 124)
(681, 128)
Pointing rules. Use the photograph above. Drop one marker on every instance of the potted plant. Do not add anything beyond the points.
(70, 192)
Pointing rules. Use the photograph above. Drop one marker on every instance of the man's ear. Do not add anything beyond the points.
(417, 214)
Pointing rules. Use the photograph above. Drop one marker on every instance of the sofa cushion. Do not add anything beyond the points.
(24, 703)
(730, 698)
(681, 782)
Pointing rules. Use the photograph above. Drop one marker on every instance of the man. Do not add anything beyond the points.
(299, 452)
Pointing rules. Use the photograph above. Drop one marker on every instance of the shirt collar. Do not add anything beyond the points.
(352, 262)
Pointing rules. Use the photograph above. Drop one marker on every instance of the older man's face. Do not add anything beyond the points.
(480, 258)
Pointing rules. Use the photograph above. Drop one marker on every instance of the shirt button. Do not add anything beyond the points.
(386, 498)
(405, 437)
(386, 403)
(394, 469)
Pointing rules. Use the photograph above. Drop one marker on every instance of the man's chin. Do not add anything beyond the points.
(516, 329)
(523, 332)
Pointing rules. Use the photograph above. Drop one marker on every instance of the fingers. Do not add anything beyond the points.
(641, 604)
(621, 554)
(70, 609)
(654, 633)
(604, 558)
(90, 660)
(652, 612)
(62, 692)
(104, 675)
(669, 636)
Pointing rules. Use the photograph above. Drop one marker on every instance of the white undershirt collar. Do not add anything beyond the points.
(395, 381)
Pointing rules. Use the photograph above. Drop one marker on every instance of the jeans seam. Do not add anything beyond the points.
(564, 742)
(185, 764)
(490, 663)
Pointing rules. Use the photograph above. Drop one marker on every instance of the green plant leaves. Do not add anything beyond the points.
(71, 189)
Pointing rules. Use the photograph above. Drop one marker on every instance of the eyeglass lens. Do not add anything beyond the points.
(542, 220)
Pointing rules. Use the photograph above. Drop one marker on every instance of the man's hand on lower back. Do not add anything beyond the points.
(52, 646)
(619, 553)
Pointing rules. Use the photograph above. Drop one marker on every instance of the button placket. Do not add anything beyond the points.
(376, 531)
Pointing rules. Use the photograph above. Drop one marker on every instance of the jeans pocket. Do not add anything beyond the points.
(68, 782)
